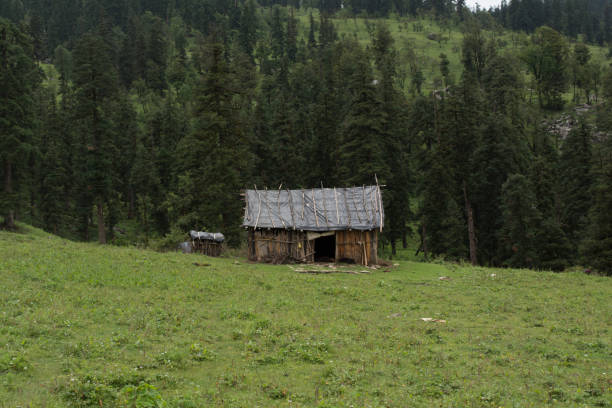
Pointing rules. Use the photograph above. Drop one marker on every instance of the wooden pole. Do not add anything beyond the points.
(324, 206)
(279, 206)
(303, 203)
(269, 211)
(357, 207)
(337, 213)
(374, 205)
(314, 200)
(259, 209)
(246, 209)
(291, 207)
(380, 209)
(348, 210)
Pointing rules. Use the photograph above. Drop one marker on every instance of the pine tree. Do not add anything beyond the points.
(362, 144)
(19, 79)
(546, 57)
(247, 34)
(394, 115)
(597, 247)
(443, 228)
(476, 51)
(212, 158)
(576, 181)
(54, 173)
(292, 35)
(520, 219)
(458, 126)
(503, 83)
(312, 42)
(95, 80)
(552, 245)
(444, 68)
(499, 154)
(277, 33)
(156, 55)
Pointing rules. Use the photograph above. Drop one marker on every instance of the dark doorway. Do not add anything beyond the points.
(325, 249)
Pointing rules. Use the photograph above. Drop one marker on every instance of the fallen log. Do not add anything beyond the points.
(318, 272)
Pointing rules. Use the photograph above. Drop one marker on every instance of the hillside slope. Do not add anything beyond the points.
(87, 325)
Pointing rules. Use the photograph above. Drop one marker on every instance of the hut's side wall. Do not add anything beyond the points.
(279, 246)
(359, 246)
(207, 247)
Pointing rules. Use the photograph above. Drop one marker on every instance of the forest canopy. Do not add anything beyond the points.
(156, 115)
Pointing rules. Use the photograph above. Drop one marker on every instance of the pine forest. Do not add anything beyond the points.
(131, 122)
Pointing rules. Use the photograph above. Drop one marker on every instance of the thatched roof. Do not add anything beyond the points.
(321, 209)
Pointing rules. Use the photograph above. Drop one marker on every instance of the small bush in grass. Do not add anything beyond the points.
(201, 353)
(142, 396)
(171, 359)
(15, 363)
(88, 392)
(274, 391)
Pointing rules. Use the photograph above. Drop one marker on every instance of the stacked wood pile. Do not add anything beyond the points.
(207, 247)
(207, 243)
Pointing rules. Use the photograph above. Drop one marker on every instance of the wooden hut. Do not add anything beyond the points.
(207, 243)
(326, 225)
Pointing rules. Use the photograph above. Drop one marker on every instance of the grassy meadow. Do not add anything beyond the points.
(83, 325)
(413, 35)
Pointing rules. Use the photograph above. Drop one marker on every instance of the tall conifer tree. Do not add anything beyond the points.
(19, 78)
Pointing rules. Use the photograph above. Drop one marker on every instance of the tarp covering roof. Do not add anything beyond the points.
(210, 236)
(320, 209)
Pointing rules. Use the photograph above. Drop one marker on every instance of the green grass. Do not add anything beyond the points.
(88, 325)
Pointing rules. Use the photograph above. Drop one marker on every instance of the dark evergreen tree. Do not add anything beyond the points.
(312, 41)
(476, 51)
(247, 31)
(211, 160)
(394, 115)
(156, 55)
(95, 80)
(361, 149)
(444, 68)
(520, 219)
(576, 181)
(499, 154)
(292, 36)
(19, 78)
(553, 247)
(54, 173)
(596, 250)
(443, 228)
(546, 57)
(277, 33)
(459, 122)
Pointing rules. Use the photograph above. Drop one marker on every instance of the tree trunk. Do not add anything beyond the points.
(132, 205)
(9, 221)
(101, 230)
(393, 247)
(404, 239)
(470, 223)
(424, 240)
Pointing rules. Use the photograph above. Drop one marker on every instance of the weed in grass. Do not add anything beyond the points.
(237, 314)
(14, 362)
(231, 381)
(274, 391)
(172, 359)
(201, 353)
(141, 396)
